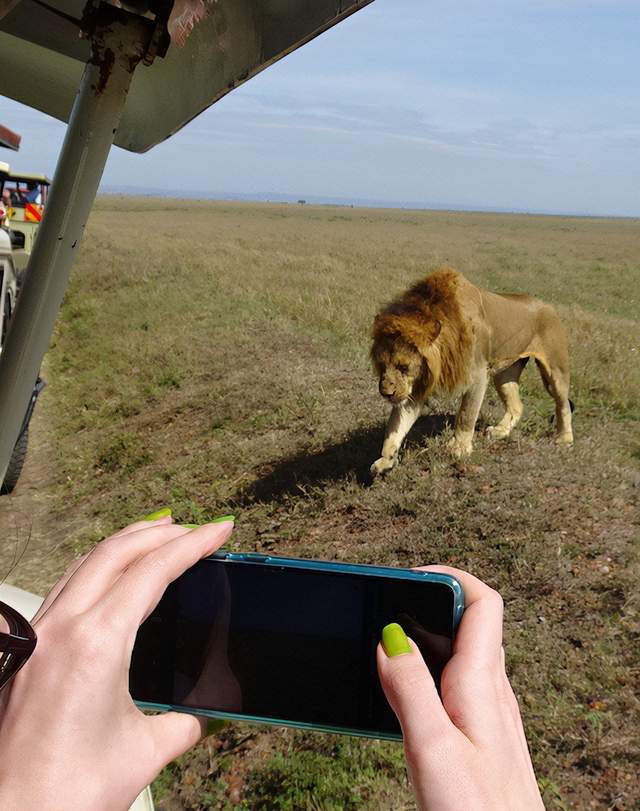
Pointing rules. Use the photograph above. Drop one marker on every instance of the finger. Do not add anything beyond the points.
(479, 635)
(76, 564)
(108, 560)
(143, 524)
(511, 700)
(516, 718)
(174, 733)
(473, 680)
(139, 589)
(57, 588)
(411, 692)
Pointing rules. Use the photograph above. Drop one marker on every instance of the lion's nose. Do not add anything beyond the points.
(384, 389)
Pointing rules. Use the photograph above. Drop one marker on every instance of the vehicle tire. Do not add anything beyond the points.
(21, 275)
(6, 317)
(16, 463)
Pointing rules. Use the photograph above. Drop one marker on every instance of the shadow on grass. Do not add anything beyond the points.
(351, 456)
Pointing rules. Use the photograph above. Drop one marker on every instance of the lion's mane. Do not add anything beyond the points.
(429, 317)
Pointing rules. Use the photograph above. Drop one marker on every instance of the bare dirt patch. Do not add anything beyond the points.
(35, 546)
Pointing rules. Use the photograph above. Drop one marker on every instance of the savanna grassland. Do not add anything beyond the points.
(213, 357)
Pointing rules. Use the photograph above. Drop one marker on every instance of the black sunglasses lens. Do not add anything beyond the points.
(10, 663)
(17, 641)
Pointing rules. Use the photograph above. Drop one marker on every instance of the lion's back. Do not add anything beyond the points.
(519, 325)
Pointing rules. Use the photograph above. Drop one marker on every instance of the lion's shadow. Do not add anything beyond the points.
(352, 456)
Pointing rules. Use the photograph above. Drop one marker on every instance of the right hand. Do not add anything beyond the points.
(467, 751)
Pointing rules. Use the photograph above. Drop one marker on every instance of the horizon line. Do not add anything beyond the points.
(126, 190)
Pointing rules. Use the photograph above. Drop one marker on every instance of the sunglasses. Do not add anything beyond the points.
(17, 642)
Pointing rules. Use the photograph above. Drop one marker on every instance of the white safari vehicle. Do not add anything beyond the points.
(13, 260)
(8, 276)
(27, 194)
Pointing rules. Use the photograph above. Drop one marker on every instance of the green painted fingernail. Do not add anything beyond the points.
(189, 526)
(161, 513)
(394, 640)
(215, 725)
(223, 518)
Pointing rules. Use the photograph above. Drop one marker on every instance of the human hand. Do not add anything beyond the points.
(467, 750)
(70, 735)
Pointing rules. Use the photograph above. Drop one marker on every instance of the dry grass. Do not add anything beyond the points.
(213, 357)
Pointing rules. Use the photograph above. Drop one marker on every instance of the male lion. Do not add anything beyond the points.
(444, 335)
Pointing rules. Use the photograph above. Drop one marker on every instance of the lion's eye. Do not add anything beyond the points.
(402, 368)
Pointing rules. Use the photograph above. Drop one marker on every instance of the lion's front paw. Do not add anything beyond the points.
(564, 439)
(497, 432)
(460, 447)
(382, 465)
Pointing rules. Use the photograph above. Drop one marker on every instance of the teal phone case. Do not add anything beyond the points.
(323, 566)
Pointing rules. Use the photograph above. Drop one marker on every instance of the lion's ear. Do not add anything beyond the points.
(416, 331)
(387, 325)
(424, 333)
(411, 326)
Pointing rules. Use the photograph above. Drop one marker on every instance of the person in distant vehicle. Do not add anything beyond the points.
(5, 205)
(32, 194)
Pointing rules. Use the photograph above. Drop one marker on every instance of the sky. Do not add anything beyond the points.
(527, 105)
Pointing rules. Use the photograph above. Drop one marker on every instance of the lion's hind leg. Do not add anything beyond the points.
(507, 386)
(556, 382)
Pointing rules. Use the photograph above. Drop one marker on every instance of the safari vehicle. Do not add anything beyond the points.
(28, 194)
(9, 286)
(8, 275)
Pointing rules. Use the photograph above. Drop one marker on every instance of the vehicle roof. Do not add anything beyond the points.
(42, 57)
(28, 176)
(9, 139)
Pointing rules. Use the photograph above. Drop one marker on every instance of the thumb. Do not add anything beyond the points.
(410, 689)
(174, 733)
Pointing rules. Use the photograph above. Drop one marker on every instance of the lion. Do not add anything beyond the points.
(446, 336)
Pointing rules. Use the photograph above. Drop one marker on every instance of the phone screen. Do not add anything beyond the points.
(286, 644)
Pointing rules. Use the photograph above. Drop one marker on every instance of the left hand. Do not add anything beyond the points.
(70, 735)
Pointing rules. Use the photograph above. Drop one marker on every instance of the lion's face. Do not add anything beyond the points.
(400, 368)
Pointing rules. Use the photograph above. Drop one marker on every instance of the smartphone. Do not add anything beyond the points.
(288, 641)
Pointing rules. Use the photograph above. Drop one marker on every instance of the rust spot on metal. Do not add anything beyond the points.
(105, 64)
(133, 62)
